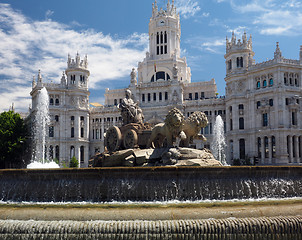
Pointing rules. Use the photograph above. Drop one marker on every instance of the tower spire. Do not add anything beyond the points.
(277, 53)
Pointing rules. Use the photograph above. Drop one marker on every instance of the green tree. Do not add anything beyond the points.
(12, 139)
(74, 163)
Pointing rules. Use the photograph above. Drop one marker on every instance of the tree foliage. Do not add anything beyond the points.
(74, 163)
(12, 138)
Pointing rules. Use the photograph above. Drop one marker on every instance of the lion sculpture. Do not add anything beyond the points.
(170, 129)
(192, 126)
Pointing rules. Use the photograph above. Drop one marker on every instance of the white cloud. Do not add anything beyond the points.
(271, 17)
(28, 45)
(238, 30)
(187, 8)
(212, 45)
(48, 14)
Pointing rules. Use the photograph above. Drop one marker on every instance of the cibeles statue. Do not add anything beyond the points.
(130, 111)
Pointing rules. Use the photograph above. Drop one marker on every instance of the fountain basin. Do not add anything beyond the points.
(148, 184)
(165, 203)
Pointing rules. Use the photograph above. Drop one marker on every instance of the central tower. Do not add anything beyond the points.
(163, 61)
(164, 32)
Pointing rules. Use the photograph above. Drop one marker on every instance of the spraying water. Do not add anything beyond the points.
(218, 145)
(40, 124)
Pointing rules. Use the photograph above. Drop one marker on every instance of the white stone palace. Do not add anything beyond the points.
(261, 109)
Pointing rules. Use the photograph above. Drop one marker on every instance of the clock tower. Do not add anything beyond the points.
(163, 61)
(164, 32)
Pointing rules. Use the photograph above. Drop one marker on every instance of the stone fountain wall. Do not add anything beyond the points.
(150, 184)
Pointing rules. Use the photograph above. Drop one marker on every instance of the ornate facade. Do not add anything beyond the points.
(261, 108)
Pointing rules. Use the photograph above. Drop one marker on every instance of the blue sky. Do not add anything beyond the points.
(39, 34)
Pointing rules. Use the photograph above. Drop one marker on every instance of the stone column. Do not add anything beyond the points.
(290, 149)
(102, 133)
(262, 150)
(270, 151)
(76, 127)
(296, 138)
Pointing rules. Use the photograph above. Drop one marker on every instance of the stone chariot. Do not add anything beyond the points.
(133, 133)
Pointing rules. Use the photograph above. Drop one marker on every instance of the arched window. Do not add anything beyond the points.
(161, 37)
(285, 78)
(231, 149)
(51, 101)
(160, 76)
(165, 37)
(57, 102)
(242, 148)
(230, 64)
(157, 38)
(72, 152)
(266, 147)
(273, 147)
(271, 82)
(115, 102)
(241, 61)
(259, 147)
(72, 79)
(57, 152)
(258, 85)
(72, 118)
(50, 152)
(264, 83)
(82, 154)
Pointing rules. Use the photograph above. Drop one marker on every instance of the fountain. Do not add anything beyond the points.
(41, 121)
(218, 145)
(159, 202)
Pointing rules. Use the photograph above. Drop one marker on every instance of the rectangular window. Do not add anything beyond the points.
(166, 95)
(264, 120)
(271, 102)
(149, 97)
(241, 123)
(160, 96)
(294, 118)
(72, 132)
(166, 50)
(92, 133)
(202, 95)
(51, 131)
(196, 95)
(258, 104)
(143, 97)
(154, 96)
(206, 130)
(157, 50)
(242, 148)
(97, 134)
(240, 106)
(190, 96)
(231, 124)
(161, 49)
(82, 132)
